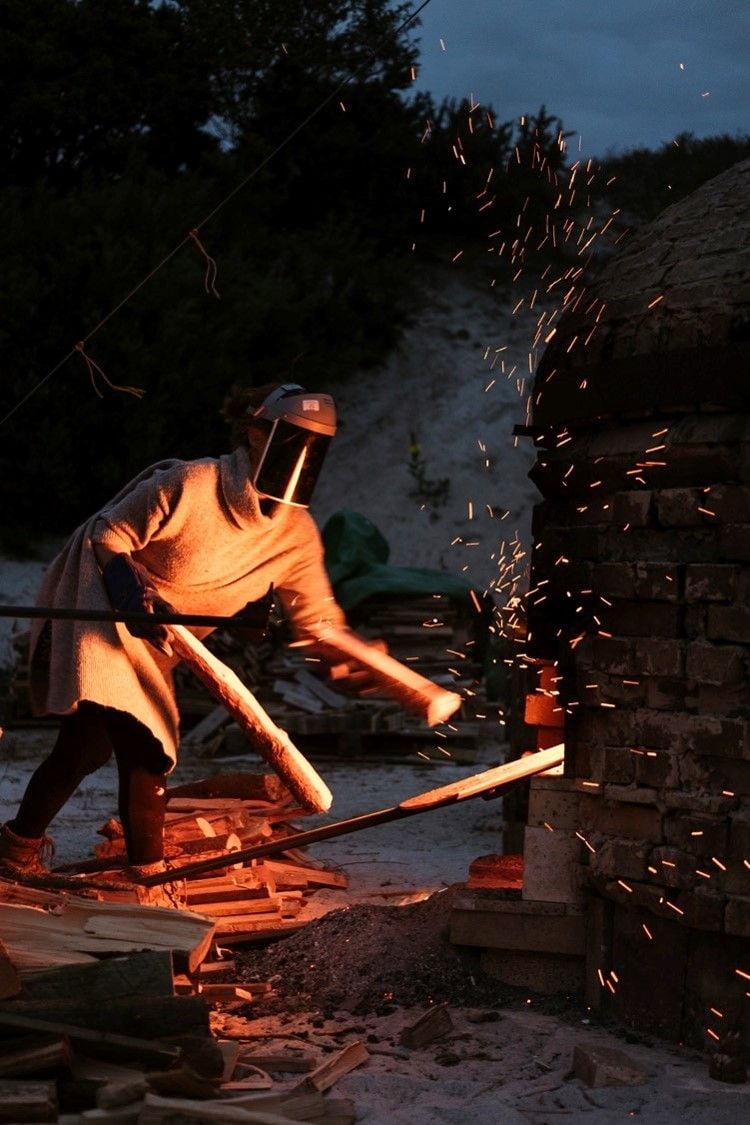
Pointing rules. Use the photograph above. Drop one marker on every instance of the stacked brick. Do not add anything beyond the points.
(640, 602)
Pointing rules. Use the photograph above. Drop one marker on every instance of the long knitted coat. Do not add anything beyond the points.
(198, 528)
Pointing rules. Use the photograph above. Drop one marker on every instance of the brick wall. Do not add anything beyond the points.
(640, 596)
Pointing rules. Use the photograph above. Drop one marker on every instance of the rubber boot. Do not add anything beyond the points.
(21, 855)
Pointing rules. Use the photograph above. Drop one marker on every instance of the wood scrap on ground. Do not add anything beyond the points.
(431, 1025)
(217, 816)
(90, 1072)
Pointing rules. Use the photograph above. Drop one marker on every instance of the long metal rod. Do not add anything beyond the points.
(491, 783)
(275, 847)
(54, 614)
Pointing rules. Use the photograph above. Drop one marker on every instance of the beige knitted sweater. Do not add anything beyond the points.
(198, 528)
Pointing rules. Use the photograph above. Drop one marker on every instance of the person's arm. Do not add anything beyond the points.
(123, 527)
(103, 554)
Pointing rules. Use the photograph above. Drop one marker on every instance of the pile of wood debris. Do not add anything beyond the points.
(209, 819)
(108, 990)
(126, 1038)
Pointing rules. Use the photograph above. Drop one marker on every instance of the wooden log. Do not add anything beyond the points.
(294, 875)
(210, 844)
(182, 1082)
(115, 1094)
(36, 1057)
(10, 979)
(148, 973)
(415, 692)
(100, 1044)
(304, 1105)
(284, 905)
(208, 725)
(157, 1110)
(329, 1072)
(27, 1101)
(122, 1115)
(147, 1018)
(246, 786)
(282, 1063)
(264, 930)
(431, 1025)
(271, 741)
(44, 928)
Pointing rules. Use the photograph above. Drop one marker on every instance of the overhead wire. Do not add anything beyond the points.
(192, 233)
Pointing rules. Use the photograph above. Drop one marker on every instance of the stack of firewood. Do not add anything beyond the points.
(127, 1039)
(214, 818)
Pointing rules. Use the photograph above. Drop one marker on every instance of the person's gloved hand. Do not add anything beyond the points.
(130, 589)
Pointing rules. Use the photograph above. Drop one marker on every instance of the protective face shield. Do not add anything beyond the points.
(302, 424)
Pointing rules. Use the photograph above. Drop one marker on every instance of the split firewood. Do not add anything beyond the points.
(283, 1063)
(329, 1072)
(246, 786)
(182, 1082)
(10, 980)
(100, 1044)
(225, 992)
(28, 1101)
(207, 844)
(159, 1111)
(113, 1095)
(433, 1024)
(243, 883)
(290, 875)
(247, 1077)
(135, 975)
(120, 1115)
(146, 1018)
(209, 968)
(303, 1106)
(35, 1057)
(285, 905)
(298, 696)
(230, 1052)
(208, 725)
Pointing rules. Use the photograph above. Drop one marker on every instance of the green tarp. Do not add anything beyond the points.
(356, 557)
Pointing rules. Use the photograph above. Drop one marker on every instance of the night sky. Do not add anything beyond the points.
(620, 73)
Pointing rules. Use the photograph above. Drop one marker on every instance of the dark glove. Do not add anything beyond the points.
(252, 623)
(130, 589)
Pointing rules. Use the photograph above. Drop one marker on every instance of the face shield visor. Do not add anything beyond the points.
(301, 427)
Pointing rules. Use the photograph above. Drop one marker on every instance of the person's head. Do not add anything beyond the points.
(286, 430)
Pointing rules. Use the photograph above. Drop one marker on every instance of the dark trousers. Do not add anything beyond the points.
(86, 741)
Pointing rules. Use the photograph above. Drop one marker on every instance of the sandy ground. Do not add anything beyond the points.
(504, 1061)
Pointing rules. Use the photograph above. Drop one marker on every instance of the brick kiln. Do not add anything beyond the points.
(637, 860)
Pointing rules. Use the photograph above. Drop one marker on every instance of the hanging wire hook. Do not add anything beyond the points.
(94, 369)
(209, 281)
